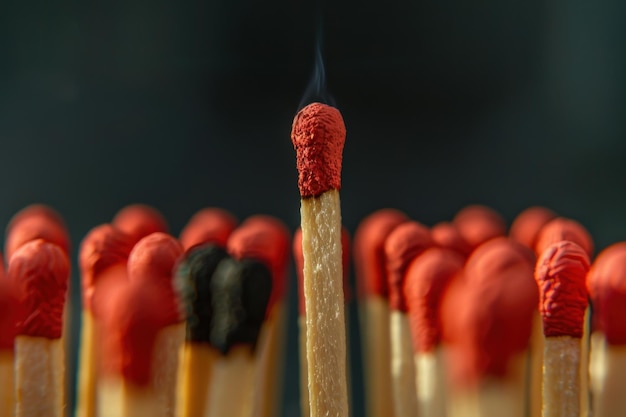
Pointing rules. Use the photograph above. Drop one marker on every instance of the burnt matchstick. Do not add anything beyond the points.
(478, 224)
(426, 280)
(446, 235)
(102, 258)
(528, 223)
(560, 274)
(318, 135)
(139, 221)
(299, 261)
(9, 315)
(372, 292)
(40, 271)
(406, 242)
(606, 282)
(210, 225)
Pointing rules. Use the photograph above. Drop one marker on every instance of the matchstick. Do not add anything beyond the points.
(139, 221)
(9, 315)
(478, 224)
(372, 292)
(446, 235)
(102, 257)
(210, 225)
(606, 282)
(318, 135)
(405, 243)
(40, 271)
(560, 274)
(426, 280)
(153, 260)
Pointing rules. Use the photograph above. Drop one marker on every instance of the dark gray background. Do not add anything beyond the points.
(189, 104)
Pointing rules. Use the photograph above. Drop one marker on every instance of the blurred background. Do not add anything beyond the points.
(183, 105)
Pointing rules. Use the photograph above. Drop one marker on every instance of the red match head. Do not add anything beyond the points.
(299, 261)
(403, 244)
(265, 239)
(477, 224)
(560, 274)
(560, 229)
(606, 282)
(9, 312)
(527, 225)
(446, 235)
(40, 271)
(318, 135)
(139, 220)
(369, 251)
(104, 247)
(36, 222)
(426, 280)
(210, 225)
(152, 261)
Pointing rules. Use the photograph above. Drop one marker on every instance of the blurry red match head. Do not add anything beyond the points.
(527, 225)
(477, 224)
(404, 243)
(606, 282)
(299, 261)
(369, 251)
(41, 273)
(139, 220)
(265, 239)
(560, 229)
(9, 312)
(426, 280)
(210, 225)
(104, 247)
(446, 235)
(494, 257)
(560, 274)
(36, 222)
(318, 135)
(35, 210)
(153, 261)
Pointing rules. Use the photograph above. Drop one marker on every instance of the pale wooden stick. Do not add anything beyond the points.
(402, 366)
(561, 380)
(535, 368)
(88, 366)
(584, 367)
(120, 398)
(610, 400)
(232, 383)
(165, 367)
(7, 382)
(430, 383)
(194, 376)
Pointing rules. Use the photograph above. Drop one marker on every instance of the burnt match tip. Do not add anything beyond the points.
(318, 135)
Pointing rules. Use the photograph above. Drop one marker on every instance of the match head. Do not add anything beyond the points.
(527, 225)
(103, 247)
(606, 282)
(35, 210)
(369, 251)
(404, 243)
(318, 135)
(426, 280)
(210, 225)
(41, 272)
(560, 229)
(477, 224)
(139, 220)
(153, 261)
(560, 274)
(446, 235)
(496, 256)
(36, 222)
(10, 313)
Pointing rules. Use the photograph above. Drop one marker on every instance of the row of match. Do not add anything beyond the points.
(466, 318)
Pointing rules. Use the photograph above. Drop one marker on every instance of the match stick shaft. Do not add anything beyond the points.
(87, 369)
(323, 291)
(430, 384)
(304, 374)
(194, 377)
(610, 400)
(7, 382)
(232, 384)
(402, 366)
(165, 367)
(561, 381)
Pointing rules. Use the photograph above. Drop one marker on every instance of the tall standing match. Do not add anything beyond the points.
(318, 135)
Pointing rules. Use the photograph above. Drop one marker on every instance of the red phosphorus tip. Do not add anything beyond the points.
(139, 220)
(606, 282)
(403, 244)
(560, 274)
(498, 255)
(265, 239)
(40, 270)
(131, 320)
(426, 280)
(210, 225)
(527, 225)
(9, 312)
(104, 247)
(299, 261)
(477, 224)
(152, 261)
(564, 229)
(446, 235)
(36, 222)
(318, 135)
(369, 251)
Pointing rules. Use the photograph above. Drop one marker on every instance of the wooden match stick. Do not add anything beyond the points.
(426, 280)
(9, 315)
(405, 243)
(102, 256)
(606, 282)
(372, 292)
(318, 135)
(478, 224)
(560, 274)
(139, 221)
(40, 270)
(154, 259)
(210, 225)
